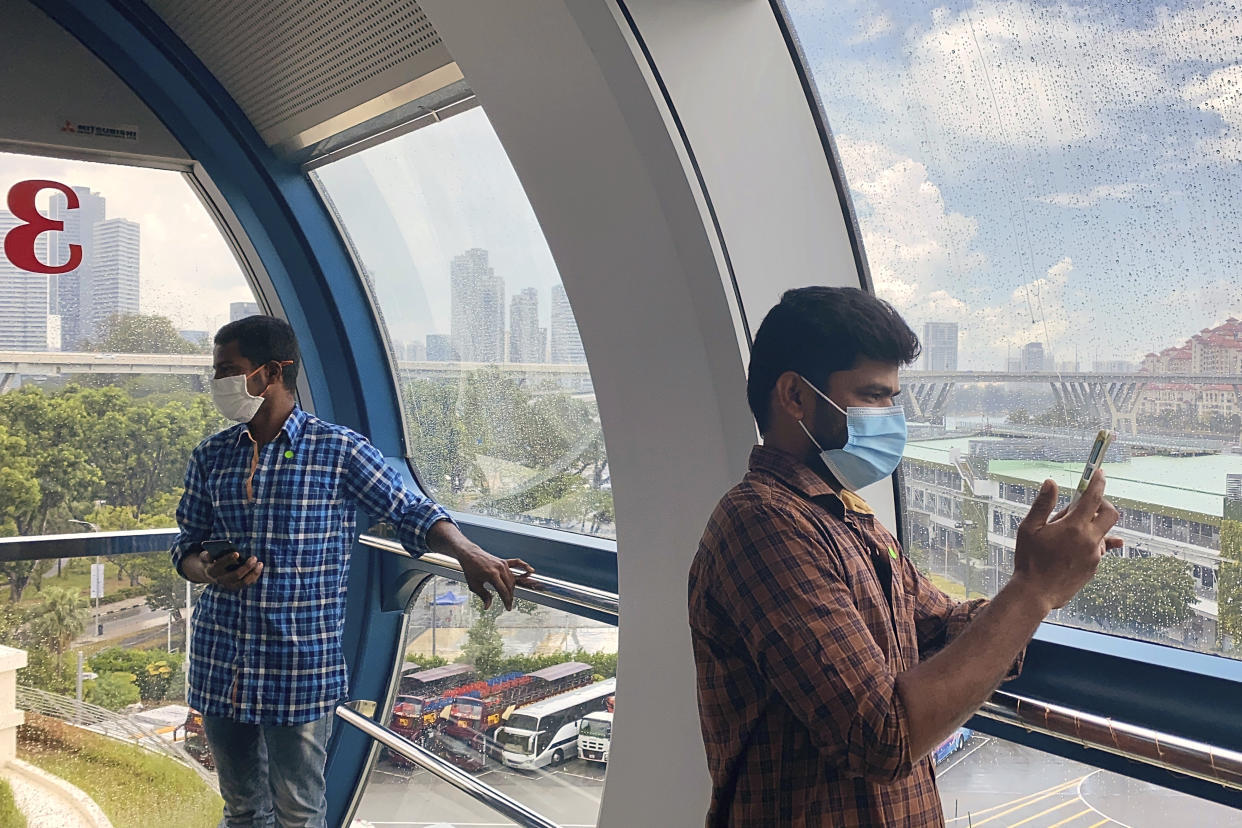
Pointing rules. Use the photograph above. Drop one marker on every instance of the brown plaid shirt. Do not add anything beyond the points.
(798, 652)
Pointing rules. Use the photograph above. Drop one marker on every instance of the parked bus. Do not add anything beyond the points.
(547, 732)
(594, 736)
(433, 682)
(952, 745)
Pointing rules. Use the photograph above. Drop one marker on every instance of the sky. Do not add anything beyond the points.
(1059, 172)
(187, 271)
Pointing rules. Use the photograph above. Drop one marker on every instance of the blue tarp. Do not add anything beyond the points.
(449, 599)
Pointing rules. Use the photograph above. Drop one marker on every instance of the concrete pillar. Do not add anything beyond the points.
(11, 660)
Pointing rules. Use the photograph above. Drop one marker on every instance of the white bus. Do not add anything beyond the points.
(594, 736)
(547, 732)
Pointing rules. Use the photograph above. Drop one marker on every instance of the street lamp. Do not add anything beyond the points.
(94, 527)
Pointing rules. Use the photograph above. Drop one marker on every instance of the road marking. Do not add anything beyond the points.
(1041, 813)
(963, 758)
(1029, 801)
(1083, 812)
(580, 776)
(1101, 822)
(1019, 802)
(1107, 818)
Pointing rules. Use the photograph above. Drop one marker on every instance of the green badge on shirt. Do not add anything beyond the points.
(892, 553)
(289, 455)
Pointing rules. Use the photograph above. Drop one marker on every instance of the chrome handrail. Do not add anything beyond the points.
(538, 588)
(464, 782)
(85, 544)
(1140, 744)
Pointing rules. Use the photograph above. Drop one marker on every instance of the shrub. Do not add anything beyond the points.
(10, 817)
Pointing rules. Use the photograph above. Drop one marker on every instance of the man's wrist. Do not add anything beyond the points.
(1026, 595)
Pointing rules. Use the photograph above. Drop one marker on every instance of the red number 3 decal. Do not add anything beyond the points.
(19, 244)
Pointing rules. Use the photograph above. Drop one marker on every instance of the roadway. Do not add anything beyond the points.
(989, 782)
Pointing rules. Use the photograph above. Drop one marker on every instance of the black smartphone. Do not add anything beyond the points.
(217, 549)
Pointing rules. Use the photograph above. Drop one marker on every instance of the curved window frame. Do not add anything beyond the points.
(1150, 685)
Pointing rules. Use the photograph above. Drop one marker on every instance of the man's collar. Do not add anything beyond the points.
(800, 477)
(292, 428)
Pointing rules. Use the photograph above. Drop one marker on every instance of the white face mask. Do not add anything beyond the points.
(233, 399)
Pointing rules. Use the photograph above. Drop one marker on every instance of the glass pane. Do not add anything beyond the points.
(521, 699)
(94, 440)
(500, 410)
(1047, 193)
(104, 696)
(988, 781)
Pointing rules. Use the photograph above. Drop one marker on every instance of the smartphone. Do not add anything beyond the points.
(1094, 460)
(217, 549)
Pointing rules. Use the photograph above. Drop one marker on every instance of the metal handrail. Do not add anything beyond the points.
(1140, 744)
(538, 588)
(476, 790)
(85, 544)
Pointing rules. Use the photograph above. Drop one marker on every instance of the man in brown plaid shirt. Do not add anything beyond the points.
(814, 634)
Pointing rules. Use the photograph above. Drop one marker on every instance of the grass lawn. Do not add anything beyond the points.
(10, 817)
(76, 575)
(952, 588)
(135, 788)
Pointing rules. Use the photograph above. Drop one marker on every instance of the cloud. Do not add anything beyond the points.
(873, 28)
(1093, 196)
(1220, 93)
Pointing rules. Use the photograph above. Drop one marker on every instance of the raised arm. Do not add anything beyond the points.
(422, 525)
(1052, 561)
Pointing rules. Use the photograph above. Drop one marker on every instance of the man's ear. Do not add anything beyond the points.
(789, 395)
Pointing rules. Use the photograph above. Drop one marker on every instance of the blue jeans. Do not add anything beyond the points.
(287, 792)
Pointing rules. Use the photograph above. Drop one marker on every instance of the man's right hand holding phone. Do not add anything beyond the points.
(223, 571)
(1055, 558)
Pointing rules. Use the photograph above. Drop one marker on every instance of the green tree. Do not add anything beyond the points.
(152, 670)
(1019, 417)
(1141, 594)
(139, 333)
(484, 646)
(60, 618)
(113, 691)
(1229, 587)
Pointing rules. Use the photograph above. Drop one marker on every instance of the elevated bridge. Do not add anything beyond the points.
(17, 364)
(1111, 398)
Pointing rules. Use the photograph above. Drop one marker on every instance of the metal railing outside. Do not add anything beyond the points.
(105, 722)
(476, 790)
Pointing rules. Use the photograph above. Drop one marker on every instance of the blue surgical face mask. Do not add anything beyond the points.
(877, 439)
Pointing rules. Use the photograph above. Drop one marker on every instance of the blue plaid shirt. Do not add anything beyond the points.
(271, 654)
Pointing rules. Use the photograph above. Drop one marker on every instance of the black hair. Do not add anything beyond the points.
(264, 339)
(817, 331)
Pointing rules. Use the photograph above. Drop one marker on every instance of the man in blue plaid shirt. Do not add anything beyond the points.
(266, 665)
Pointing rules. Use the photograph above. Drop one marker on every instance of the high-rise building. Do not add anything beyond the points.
(940, 346)
(114, 274)
(240, 310)
(566, 343)
(478, 308)
(527, 341)
(1033, 359)
(23, 302)
(71, 294)
(440, 348)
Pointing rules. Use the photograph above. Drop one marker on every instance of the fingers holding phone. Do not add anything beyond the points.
(229, 567)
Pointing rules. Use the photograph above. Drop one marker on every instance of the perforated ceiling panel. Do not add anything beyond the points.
(302, 69)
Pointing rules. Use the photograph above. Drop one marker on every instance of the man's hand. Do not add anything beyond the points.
(201, 569)
(1055, 558)
(479, 567)
(482, 568)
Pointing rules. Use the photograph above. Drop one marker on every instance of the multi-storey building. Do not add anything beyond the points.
(114, 274)
(940, 346)
(478, 308)
(964, 504)
(527, 341)
(71, 294)
(23, 302)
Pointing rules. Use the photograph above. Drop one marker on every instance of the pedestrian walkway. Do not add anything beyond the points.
(50, 802)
